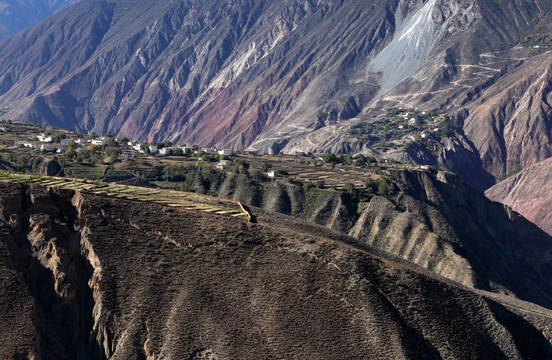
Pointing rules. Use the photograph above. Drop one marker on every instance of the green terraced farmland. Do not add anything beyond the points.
(173, 198)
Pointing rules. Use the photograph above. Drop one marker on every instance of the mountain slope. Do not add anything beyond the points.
(433, 220)
(111, 278)
(17, 15)
(528, 193)
(510, 123)
(269, 75)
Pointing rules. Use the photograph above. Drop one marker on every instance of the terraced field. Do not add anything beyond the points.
(316, 170)
(172, 198)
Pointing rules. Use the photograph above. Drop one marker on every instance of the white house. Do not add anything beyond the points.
(61, 149)
(207, 150)
(221, 165)
(412, 121)
(44, 138)
(140, 147)
(98, 142)
(66, 142)
(271, 174)
(79, 141)
(227, 152)
(165, 151)
(26, 144)
(153, 149)
(47, 147)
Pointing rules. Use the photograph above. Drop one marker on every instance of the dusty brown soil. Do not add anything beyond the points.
(96, 277)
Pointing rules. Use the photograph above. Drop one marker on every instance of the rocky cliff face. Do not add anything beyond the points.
(100, 278)
(267, 76)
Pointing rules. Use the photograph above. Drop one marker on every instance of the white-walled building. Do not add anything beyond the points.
(165, 151)
(44, 138)
(227, 152)
(222, 165)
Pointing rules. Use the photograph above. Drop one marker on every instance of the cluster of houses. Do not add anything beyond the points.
(154, 149)
(45, 143)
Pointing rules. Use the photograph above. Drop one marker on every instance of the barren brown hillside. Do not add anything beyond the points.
(97, 278)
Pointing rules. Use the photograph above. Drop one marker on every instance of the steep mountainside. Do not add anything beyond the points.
(510, 123)
(101, 278)
(435, 221)
(528, 193)
(274, 75)
(431, 219)
(17, 15)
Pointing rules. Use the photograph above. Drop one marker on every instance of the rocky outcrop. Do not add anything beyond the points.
(45, 251)
(45, 166)
(149, 281)
(456, 154)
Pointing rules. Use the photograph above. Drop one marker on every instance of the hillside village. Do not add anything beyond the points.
(48, 139)
(165, 165)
